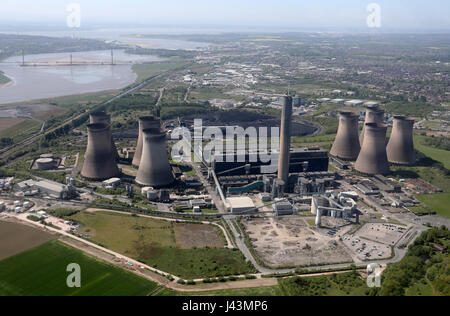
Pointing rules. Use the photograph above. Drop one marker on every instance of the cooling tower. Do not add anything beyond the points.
(373, 115)
(146, 122)
(99, 162)
(400, 149)
(154, 169)
(285, 139)
(102, 117)
(346, 145)
(373, 158)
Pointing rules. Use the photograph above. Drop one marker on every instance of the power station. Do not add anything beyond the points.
(372, 159)
(145, 122)
(154, 169)
(400, 149)
(99, 160)
(373, 115)
(346, 145)
(103, 117)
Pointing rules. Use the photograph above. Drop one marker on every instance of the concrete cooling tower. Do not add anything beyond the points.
(146, 122)
(373, 157)
(102, 117)
(400, 149)
(373, 115)
(154, 169)
(285, 139)
(346, 145)
(99, 162)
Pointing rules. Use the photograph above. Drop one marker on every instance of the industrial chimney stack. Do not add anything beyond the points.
(99, 163)
(102, 117)
(154, 169)
(372, 159)
(400, 149)
(346, 145)
(145, 122)
(373, 115)
(285, 139)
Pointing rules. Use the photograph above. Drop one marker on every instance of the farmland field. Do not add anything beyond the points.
(157, 243)
(19, 277)
(15, 238)
(8, 122)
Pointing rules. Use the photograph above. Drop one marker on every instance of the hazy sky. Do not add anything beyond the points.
(395, 14)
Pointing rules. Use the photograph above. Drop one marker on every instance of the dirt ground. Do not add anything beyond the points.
(8, 122)
(16, 238)
(197, 235)
(290, 242)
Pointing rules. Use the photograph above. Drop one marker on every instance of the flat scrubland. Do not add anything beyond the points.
(164, 245)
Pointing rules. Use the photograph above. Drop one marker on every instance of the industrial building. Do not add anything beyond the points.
(47, 187)
(154, 167)
(238, 205)
(99, 160)
(308, 159)
(400, 149)
(346, 145)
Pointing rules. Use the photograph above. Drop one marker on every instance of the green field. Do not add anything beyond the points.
(443, 156)
(42, 272)
(154, 242)
(145, 71)
(439, 203)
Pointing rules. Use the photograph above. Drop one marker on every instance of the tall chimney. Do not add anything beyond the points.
(99, 163)
(154, 169)
(102, 117)
(373, 157)
(373, 115)
(285, 139)
(400, 149)
(346, 145)
(145, 122)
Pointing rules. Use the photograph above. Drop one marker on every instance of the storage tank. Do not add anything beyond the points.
(373, 157)
(346, 145)
(45, 163)
(400, 149)
(154, 169)
(145, 122)
(99, 160)
(103, 117)
(374, 114)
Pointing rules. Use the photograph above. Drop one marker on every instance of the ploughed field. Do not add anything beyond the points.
(186, 250)
(16, 238)
(41, 271)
